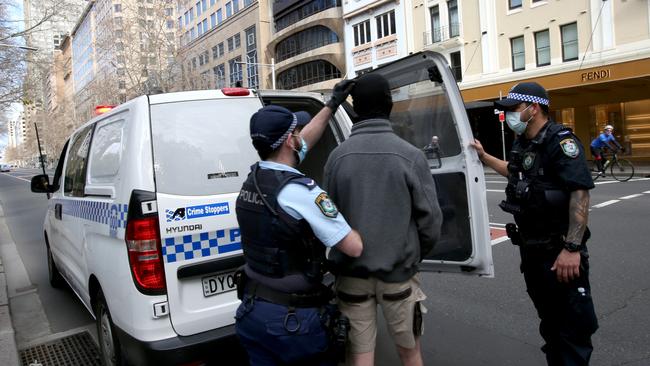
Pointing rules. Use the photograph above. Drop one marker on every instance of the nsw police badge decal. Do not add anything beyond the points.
(326, 206)
(570, 148)
(529, 159)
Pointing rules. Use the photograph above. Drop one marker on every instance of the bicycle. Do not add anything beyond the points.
(620, 169)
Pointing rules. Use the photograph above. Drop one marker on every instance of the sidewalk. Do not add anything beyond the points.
(8, 349)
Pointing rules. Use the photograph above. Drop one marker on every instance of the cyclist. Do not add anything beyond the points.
(605, 139)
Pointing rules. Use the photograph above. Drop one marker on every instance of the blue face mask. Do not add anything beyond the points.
(515, 123)
(302, 153)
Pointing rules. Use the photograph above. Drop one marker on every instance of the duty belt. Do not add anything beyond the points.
(299, 300)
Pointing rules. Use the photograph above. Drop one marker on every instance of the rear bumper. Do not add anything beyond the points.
(215, 345)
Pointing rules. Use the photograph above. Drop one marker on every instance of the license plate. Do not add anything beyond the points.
(218, 284)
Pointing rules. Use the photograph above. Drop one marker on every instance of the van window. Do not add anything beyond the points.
(75, 169)
(203, 147)
(106, 152)
(59, 167)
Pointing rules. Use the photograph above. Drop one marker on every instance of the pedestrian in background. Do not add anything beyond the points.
(548, 195)
(383, 186)
(286, 223)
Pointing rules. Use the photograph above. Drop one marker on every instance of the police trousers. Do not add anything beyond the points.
(275, 334)
(566, 310)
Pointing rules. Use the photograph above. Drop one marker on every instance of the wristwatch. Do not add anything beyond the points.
(571, 247)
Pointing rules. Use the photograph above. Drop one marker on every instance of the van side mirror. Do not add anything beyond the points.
(41, 184)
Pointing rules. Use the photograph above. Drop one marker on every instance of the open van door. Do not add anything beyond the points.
(428, 112)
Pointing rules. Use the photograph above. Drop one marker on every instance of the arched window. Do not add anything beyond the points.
(307, 73)
(304, 11)
(304, 41)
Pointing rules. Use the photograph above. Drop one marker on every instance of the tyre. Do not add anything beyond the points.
(53, 274)
(109, 345)
(594, 171)
(622, 170)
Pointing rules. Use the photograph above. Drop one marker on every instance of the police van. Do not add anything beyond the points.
(141, 221)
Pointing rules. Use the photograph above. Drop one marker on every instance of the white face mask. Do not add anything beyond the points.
(515, 123)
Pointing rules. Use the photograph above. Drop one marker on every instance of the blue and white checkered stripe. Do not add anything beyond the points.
(113, 214)
(527, 98)
(200, 245)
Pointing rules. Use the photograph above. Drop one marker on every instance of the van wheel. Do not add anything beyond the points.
(109, 345)
(56, 280)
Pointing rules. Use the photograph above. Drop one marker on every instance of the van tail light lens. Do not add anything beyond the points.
(235, 92)
(145, 255)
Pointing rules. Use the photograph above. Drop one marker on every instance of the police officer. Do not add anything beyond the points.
(548, 194)
(286, 222)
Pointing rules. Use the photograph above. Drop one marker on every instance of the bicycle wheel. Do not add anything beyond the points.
(622, 170)
(594, 170)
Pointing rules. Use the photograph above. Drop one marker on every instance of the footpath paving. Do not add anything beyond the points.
(8, 349)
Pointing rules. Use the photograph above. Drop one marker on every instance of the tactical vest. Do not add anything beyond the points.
(275, 244)
(535, 195)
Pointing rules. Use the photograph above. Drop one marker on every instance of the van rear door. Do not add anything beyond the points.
(431, 115)
(202, 154)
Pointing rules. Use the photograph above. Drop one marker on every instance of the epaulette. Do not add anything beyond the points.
(307, 182)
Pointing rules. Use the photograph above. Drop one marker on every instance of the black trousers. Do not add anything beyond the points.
(566, 310)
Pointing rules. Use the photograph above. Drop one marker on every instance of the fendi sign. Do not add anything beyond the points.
(596, 75)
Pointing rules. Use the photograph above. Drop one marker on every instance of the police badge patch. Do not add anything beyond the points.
(529, 159)
(570, 148)
(326, 206)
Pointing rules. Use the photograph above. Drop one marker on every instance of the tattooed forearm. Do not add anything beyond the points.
(578, 216)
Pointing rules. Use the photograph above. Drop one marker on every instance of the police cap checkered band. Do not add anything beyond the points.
(530, 92)
(272, 125)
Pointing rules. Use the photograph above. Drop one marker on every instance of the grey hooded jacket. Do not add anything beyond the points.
(383, 187)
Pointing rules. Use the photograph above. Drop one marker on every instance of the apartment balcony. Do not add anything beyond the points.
(442, 38)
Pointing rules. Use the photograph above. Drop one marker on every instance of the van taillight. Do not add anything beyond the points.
(145, 257)
(235, 92)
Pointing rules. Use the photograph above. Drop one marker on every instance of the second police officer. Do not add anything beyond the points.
(548, 195)
(286, 222)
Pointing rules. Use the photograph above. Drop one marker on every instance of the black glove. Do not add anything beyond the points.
(340, 92)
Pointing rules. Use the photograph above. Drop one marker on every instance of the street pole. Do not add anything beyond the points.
(273, 72)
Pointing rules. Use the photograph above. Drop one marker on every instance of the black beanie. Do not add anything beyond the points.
(371, 97)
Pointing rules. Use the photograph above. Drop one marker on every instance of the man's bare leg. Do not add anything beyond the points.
(362, 359)
(411, 356)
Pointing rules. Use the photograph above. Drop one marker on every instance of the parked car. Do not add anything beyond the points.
(5, 168)
(141, 222)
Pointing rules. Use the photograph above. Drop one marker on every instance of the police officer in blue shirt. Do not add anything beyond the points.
(286, 222)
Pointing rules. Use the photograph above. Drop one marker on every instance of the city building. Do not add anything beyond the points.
(375, 33)
(307, 44)
(593, 57)
(221, 44)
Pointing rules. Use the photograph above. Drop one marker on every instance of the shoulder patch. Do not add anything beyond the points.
(307, 182)
(564, 132)
(326, 206)
(570, 148)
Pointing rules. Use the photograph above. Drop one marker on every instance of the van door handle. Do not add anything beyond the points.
(58, 211)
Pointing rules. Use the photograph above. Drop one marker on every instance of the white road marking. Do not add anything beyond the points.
(647, 192)
(606, 203)
(631, 196)
(9, 175)
(497, 224)
(496, 181)
(499, 240)
(607, 182)
(495, 190)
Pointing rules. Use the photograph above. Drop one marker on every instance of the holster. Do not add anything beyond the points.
(240, 281)
(513, 234)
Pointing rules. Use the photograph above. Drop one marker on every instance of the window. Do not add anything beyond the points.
(456, 66)
(362, 33)
(237, 40)
(303, 41)
(170, 24)
(204, 5)
(386, 24)
(518, 55)
(75, 169)
(220, 76)
(251, 70)
(308, 9)
(212, 2)
(199, 28)
(307, 73)
(106, 152)
(231, 44)
(436, 28)
(454, 24)
(213, 20)
(569, 42)
(247, 2)
(542, 48)
(192, 14)
(180, 22)
(205, 25)
(117, 7)
(228, 9)
(235, 6)
(221, 49)
(215, 52)
(169, 12)
(514, 4)
(219, 16)
(187, 18)
(192, 34)
(235, 71)
(198, 9)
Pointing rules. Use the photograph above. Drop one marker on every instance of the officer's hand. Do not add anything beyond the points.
(340, 92)
(567, 266)
(476, 144)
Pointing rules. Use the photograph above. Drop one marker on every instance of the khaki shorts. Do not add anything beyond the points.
(358, 299)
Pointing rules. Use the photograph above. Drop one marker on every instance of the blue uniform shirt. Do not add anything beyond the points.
(302, 203)
(603, 140)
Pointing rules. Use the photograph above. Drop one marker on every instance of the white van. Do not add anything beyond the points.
(141, 222)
